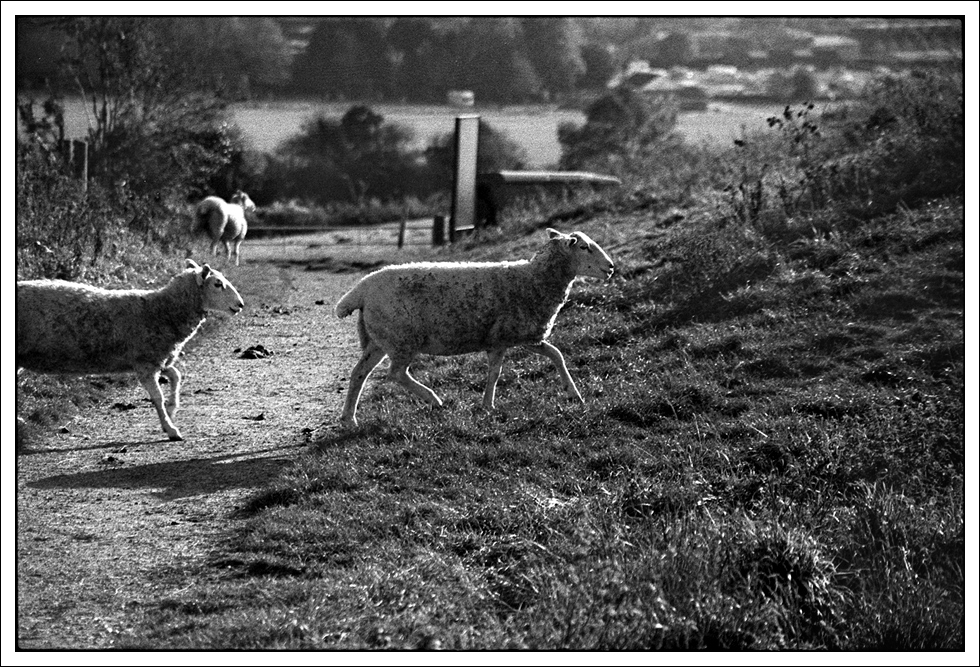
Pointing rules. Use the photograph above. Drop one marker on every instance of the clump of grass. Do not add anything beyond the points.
(905, 569)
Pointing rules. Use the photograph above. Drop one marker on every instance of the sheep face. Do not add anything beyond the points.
(219, 293)
(588, 258)
(243, 200)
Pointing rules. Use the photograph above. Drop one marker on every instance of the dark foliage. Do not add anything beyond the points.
(620, 127)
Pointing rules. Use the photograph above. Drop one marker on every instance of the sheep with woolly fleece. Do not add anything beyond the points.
(448, 308)
(225, 222)
(75, 329)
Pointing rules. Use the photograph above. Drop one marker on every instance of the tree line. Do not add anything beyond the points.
(503, 60)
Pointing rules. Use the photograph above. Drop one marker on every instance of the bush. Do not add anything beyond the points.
(902, 143)
(152, 128)
(495, 151)
(798, 86)
(350, 159)
(360, 158)
(99, 235)
(620, 127)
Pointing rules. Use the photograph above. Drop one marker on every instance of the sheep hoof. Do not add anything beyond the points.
(175, 436)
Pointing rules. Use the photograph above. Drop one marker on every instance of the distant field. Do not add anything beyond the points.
(535, 128)
(267, 125)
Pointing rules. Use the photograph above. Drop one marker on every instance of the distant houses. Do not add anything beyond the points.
(692, 90)
(795, 64)
(857, 43)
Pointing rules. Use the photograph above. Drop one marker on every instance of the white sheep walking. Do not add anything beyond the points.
(75, 329)
(447, 308)
(224, 222)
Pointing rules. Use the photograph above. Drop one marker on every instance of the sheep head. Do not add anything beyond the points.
(219, 294)
(243, 200)
(588, 258)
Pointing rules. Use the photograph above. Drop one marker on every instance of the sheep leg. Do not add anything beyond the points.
(546, 349)
(173, 403)
(214, 247)
(399, 373)
(238, 254)
(495, 360)
(227, 252)
(370, 358)
(152, 386)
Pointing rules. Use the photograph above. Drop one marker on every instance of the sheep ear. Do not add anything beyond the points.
(191, 264)
(203, 275)
(554, 233)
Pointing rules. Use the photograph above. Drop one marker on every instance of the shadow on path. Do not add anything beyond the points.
(178, 479)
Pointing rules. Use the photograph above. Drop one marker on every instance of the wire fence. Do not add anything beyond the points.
(311, 243)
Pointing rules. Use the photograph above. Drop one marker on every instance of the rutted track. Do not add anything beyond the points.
(111, 515)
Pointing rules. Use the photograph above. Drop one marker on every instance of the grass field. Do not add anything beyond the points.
(772, 453)
(771, 456)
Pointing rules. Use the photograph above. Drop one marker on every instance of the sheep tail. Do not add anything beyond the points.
(353, 300)
(202, 216)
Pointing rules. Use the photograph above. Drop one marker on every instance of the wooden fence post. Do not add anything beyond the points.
(438, 231)
(82, 170)
(75, 154)
(463, 203)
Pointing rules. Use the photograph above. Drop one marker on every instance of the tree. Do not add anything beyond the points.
(553, 48)
(430, 58)
(346, 57)
(673, 50)
(424, 57)
(149, 128)
(494, 66)
(38, 46)
(495, 151)
(600, 66)
(350, 159)
(234, 56)
(619, 126)
(798, 86)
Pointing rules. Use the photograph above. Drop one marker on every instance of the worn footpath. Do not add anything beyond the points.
(111, 515)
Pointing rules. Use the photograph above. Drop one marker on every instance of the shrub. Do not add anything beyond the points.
(902, 143)
(150, 127)
(96, 234)
(348, 159)
(495, 151)
(620, 127)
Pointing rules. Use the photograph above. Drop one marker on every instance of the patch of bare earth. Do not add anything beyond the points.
(111, 515)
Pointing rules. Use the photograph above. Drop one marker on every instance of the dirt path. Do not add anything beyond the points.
(111, 514)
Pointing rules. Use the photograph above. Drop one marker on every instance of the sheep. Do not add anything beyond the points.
(69, 328)
(224, 222)
(447, 308)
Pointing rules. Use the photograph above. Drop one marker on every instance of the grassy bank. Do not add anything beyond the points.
(771, 455)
